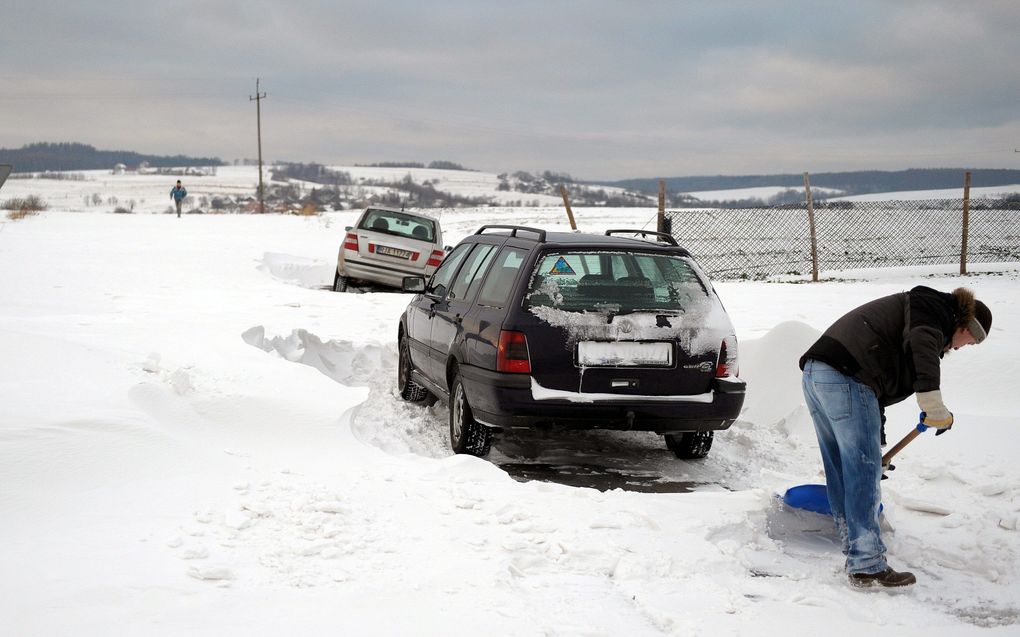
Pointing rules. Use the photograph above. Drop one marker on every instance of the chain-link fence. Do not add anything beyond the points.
(756, 243)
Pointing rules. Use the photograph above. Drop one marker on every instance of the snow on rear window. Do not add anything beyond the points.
(626, 296)
(615, 281)
(699, 330)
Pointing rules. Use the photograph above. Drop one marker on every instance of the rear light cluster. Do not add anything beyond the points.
(351, 241)
(727, 365)
(435, 259)
(512, 355)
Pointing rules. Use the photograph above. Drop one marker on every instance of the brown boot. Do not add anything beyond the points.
(887, 578)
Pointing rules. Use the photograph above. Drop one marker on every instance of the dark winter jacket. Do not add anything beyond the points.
(178, 193)
(895, 344)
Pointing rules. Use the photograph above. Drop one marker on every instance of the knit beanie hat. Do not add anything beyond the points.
(980, 325)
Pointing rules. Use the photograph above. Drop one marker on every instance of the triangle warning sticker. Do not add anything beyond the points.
(561, 267)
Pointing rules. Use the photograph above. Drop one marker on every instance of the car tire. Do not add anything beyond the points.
(340, 283)
(690, 445)
(466, 434)
(409, 390)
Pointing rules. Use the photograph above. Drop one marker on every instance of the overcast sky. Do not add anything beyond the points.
(598, 89)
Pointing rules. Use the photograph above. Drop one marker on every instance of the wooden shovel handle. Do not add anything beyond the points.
(914, 433)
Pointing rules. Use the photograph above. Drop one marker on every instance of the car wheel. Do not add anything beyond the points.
(690, 445)
(409, 390)
(466, 434)
(340, 283)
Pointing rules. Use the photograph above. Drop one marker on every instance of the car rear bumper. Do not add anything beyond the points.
(384, 274)
(509, 400)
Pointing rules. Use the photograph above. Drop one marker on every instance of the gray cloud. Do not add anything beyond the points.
(599, 89)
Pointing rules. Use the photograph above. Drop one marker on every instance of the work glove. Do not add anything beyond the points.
(935, 413)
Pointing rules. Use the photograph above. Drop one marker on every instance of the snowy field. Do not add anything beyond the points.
(150, 193)
(197, 438)
(102, 191)
(766, 192)
(762, 192)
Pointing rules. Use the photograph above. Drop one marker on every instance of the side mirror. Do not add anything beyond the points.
(414, 284)
(348, 228)
(448, 249)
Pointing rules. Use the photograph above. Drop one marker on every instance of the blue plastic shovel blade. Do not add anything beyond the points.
(810, 497)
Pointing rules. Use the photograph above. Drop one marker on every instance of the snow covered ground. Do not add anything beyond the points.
(945, 193)
(766, 192)
(102, 191)
(197, 438)
(762, 192)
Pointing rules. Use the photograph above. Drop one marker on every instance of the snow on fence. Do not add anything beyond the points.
(755, 243)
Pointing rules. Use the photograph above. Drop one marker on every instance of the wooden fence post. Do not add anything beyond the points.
(966, 222)
(566, 204)
(662, 206)
(811, 222)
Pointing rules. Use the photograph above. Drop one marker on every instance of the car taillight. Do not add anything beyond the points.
(512, 355)
(351, 242)
(727, 365)
(435, 259)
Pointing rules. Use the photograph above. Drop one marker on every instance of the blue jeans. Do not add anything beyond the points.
(848, 424)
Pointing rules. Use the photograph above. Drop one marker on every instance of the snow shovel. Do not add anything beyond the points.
(813, 497)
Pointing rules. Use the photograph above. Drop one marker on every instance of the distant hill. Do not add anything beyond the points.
(71, 156)
(852, 183)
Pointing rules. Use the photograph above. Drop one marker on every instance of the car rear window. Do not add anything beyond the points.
(401, 224)
(616, 281)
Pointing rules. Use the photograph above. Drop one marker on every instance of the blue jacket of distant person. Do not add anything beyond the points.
(178, 193)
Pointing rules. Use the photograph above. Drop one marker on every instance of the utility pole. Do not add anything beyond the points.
(258, 114)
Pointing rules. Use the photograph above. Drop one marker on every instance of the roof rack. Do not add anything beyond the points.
(514, 230)
(662, 236)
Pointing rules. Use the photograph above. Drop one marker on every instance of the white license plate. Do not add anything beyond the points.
(624, 354)
(393, 252)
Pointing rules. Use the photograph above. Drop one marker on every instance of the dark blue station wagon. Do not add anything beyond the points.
(523, 328)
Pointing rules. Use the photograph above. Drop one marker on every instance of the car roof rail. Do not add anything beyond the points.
(514, 230)
(663, 236)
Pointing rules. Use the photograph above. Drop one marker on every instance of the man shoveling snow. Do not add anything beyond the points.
(874, 356)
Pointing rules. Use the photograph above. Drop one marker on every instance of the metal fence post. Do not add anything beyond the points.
(662, 207)
(966, 222)
(811, 221)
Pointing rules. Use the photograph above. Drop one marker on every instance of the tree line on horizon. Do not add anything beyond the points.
(45, 156)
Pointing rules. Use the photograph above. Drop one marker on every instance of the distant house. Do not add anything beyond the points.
(119, 169)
